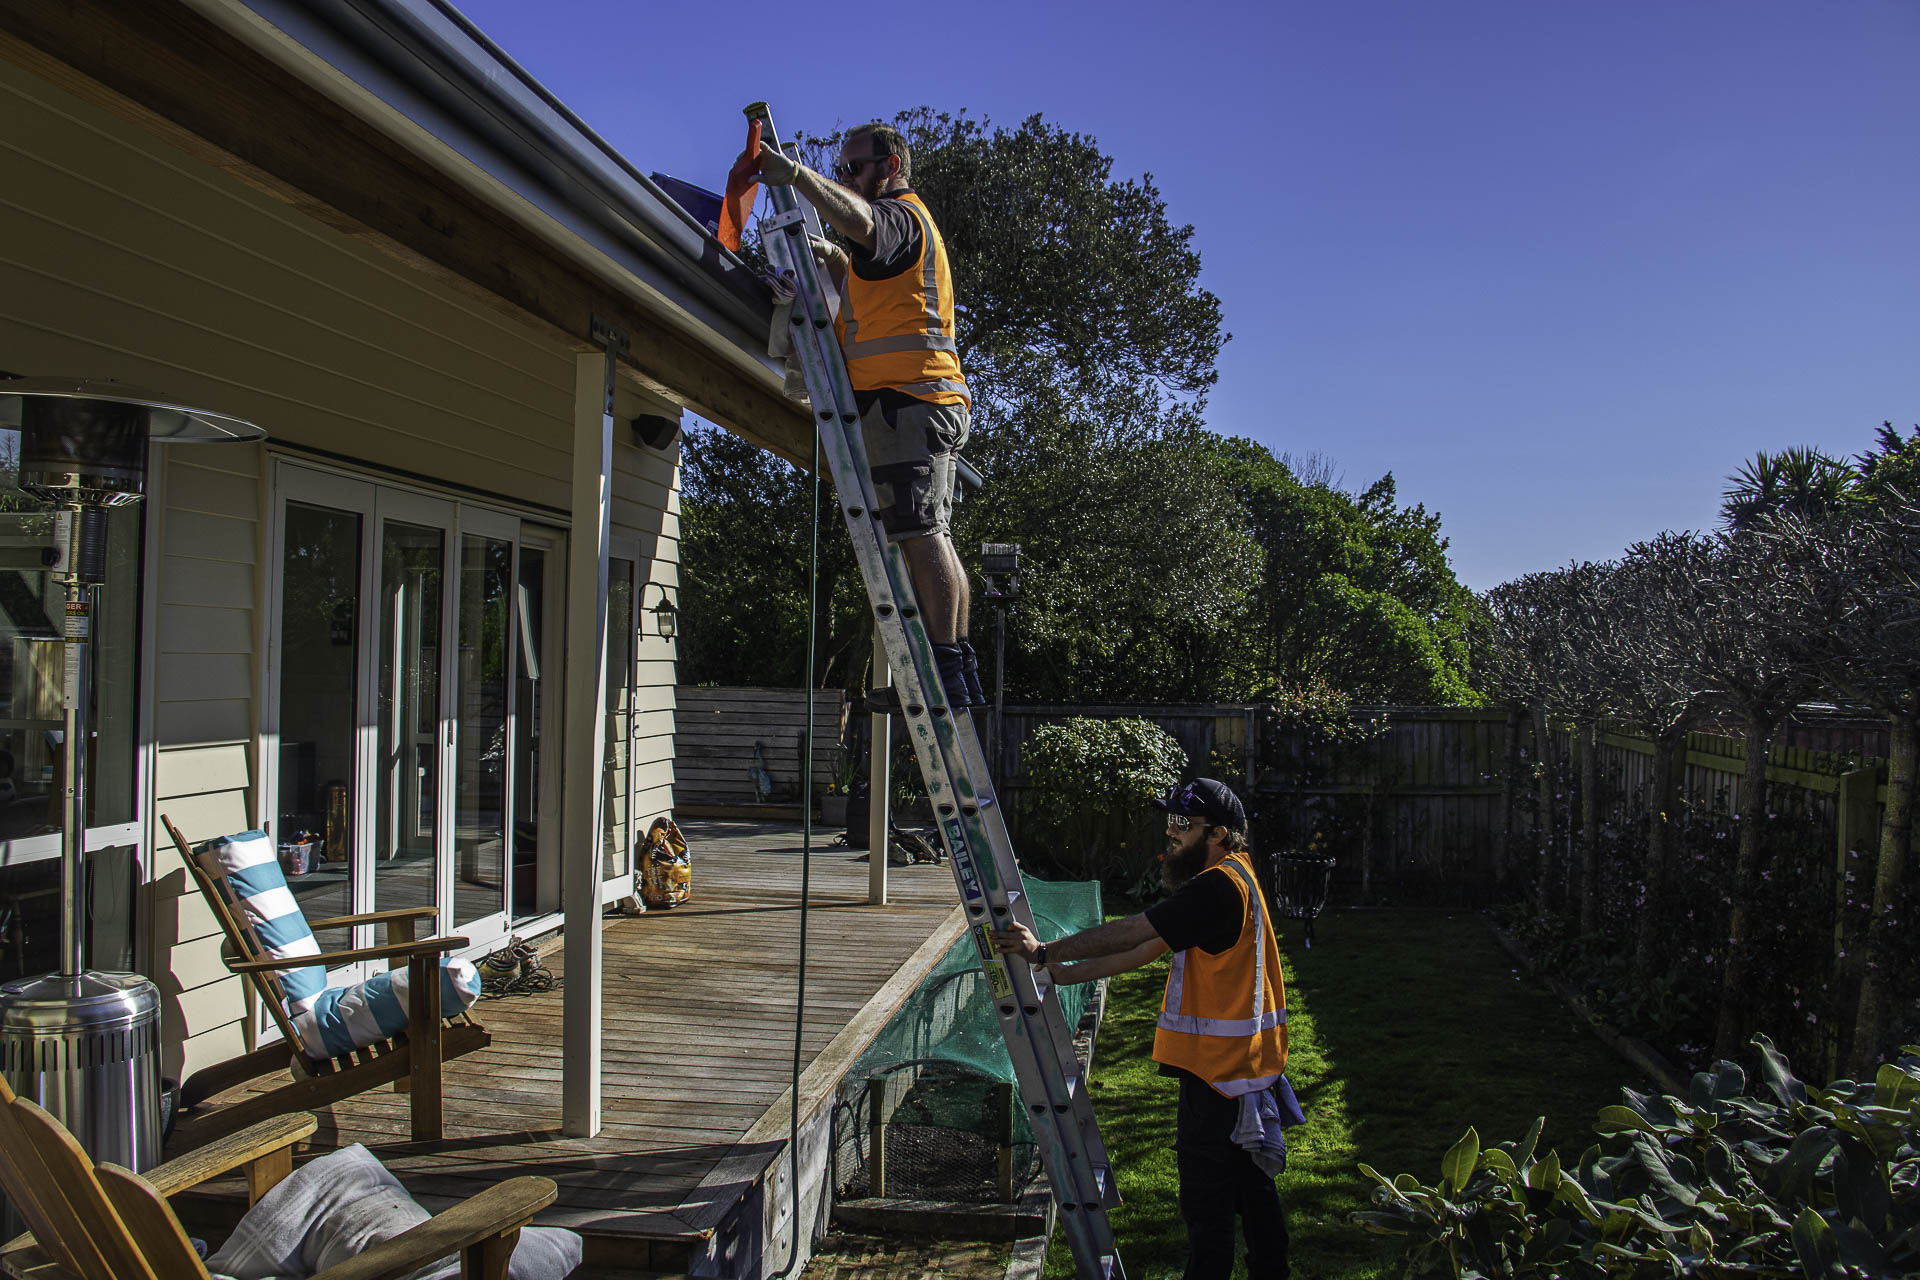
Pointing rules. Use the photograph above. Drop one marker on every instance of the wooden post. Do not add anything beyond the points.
(423, 1047)
(1543, 755)
(1854, 805)
(1000, 1104)
(1509, 770)
(584, 742)
(877, 1137)
(1252, 755)
(879, 782)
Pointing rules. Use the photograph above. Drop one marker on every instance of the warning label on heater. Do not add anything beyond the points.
(75, 634)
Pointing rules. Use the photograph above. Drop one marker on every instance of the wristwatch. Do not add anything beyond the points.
(1040, 958)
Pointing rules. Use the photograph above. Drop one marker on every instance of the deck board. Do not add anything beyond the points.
(697, 1057)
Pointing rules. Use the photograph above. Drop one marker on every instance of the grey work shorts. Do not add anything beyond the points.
(910, 450)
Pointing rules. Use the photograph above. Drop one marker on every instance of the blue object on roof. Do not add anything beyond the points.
(703, 204)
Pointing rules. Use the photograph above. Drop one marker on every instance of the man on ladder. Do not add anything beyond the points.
(905, 368)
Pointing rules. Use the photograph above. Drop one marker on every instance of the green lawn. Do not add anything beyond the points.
(1406, 1027)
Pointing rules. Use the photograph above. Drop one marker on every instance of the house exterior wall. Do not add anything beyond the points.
(122, 258)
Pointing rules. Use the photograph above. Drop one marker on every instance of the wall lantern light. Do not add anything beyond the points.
(665, 616)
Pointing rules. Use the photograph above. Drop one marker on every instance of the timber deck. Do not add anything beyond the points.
(697, 1053)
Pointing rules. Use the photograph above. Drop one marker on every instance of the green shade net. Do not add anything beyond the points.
(949, 1030)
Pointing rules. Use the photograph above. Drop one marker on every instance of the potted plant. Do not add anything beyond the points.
(833, 805)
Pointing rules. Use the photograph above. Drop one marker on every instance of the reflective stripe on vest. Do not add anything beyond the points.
(887, 346)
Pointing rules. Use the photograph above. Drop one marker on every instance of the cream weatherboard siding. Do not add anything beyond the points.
(122, 258)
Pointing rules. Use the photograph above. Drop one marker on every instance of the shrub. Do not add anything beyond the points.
(1790, 1180)
(1089, 782)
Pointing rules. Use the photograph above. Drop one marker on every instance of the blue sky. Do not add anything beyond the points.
(1559, 266)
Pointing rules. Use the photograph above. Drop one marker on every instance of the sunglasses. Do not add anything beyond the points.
(1180, 822)
(845, 169)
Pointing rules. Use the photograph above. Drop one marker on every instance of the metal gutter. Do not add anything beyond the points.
(426, 61)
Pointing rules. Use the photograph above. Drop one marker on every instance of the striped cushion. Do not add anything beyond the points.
(347, 1018)
(248, 867)
(330, 1021)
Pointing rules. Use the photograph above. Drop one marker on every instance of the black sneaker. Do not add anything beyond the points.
(970, 668)
(951, 660)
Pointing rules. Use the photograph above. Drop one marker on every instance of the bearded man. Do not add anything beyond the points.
(1223, 1024)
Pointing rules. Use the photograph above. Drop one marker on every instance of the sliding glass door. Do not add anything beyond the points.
(412, 724)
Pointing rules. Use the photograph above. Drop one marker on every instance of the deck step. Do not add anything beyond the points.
(944, 1219)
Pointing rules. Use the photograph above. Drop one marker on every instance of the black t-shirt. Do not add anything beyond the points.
(1206, 913)
(896, 239)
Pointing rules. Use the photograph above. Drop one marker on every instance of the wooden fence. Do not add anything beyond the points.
(1410, 813)
(1422, 812)
(716, 732)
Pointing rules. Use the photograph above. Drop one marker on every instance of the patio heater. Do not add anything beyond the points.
(83, 1044)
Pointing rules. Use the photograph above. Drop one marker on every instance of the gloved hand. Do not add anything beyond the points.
(826, 253)
(776, 167)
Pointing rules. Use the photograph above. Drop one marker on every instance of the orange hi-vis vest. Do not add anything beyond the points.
(898, 333)
(1224, 1017)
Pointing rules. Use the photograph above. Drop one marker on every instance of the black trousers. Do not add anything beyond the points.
(1220, 1182)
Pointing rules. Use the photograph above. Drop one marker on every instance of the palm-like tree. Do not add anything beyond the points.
(1794, 482)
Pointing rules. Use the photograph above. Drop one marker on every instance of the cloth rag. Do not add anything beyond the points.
(743, 184)
(1264, 1117)
(341, 1205)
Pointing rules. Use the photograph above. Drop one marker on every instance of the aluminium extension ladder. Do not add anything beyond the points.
(1050, 1082)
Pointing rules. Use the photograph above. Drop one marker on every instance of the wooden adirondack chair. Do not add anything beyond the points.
(103, 1222)
(410, 1061)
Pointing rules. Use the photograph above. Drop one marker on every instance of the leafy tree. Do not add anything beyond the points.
(1893, 464)
(1344, 571)
(1658, 688)
(1137, 565)
(1862, 584)
(1578, 683)
(1518, 641)
(1753, 642)
(746, 518)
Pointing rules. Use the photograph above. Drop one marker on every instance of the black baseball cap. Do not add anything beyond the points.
(1206, 798)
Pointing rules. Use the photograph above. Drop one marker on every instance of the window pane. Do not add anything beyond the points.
(319, 676)
(529, 709)
(30, 914)
(31, 602)
(486, 585)
(409, 769)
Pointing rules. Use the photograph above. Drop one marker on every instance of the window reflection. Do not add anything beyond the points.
(31, 601)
